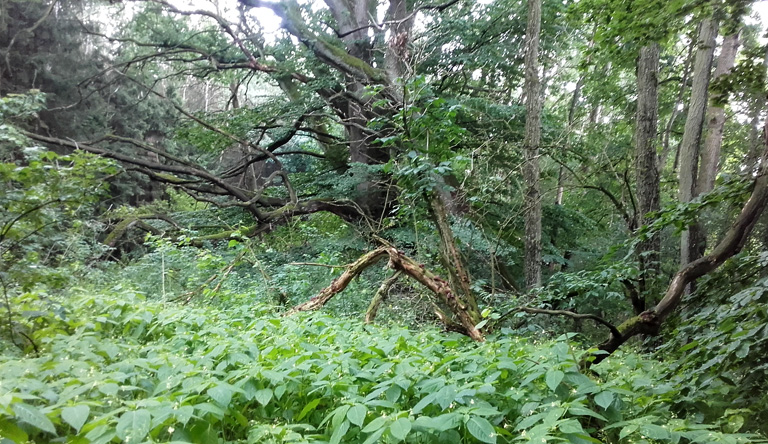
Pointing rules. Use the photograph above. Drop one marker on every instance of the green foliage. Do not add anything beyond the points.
(118, 367)
(14, 109)
(719, 341)
(46, 200)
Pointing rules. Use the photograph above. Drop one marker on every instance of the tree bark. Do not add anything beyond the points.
(689, 148)
(646, 171)
(710, 153)
(666, 146)
(531, 171)
(457, 273)
(466, 319)
(381, 295)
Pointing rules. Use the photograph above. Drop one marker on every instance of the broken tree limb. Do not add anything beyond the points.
(380, 296)
(340, 283)
(457, 273)
(400, 262)
(573, 315)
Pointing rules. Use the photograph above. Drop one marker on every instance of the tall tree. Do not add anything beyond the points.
(531, 169)
(694, 124)
(646, 170)
(710, 150)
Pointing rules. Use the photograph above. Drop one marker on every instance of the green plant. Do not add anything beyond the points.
(118, 367)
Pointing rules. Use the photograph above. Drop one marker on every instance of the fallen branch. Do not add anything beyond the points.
(400, 262)
(380, 296)
(570, 314)
(315, 264)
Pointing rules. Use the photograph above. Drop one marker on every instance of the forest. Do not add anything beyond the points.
(383, 221)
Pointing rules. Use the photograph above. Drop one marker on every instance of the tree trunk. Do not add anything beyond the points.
(666, 146)
(710, 153)
(689, 148)
(531, 172)
(645, 147)
(457, 272)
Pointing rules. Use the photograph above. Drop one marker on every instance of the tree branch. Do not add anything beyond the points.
(570, 314)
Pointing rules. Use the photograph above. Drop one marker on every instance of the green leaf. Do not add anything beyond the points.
(339, 433)
(570, 426)
(76, 416)
(184, 413)
(109, 389)
(481, 429)
(356, 414)
(34, 417)
(628, 430)
(400, 428)
(263, 396)
(133, 426)
(308, 408)
(604, 399)
(374, 437)
(554, 377)
(203, 433)
(446, 421)
(425, 401)
(582, 411)
(339, 415)
(222, 394)
(211, 408)
(530, 420)
(377, 423)
(655, 432)
(12, 431)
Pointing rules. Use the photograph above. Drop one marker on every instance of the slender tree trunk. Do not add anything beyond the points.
(645, 147)
(754, 129)
(689, 148)
(710, 153)
(666, 146)
(531, 173)
(571, 121)
(710, 149)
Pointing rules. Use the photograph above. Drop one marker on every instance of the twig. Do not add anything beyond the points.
(315, 264)
(378, 26)
(531, 310)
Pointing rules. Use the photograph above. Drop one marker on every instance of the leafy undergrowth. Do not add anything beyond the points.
(118, 368)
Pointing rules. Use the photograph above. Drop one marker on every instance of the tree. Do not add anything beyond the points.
(532, 200)
(689, 148)
(710, 152)
(646, 169)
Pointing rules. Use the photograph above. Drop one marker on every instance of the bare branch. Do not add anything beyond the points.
(531, 310)
(378, 26)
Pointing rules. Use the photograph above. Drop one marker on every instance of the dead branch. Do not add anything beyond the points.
(314, 264)
(381, 295)
(400, 262)
(570, 314)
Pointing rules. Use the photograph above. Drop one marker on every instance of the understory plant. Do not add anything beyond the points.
(116, 367)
